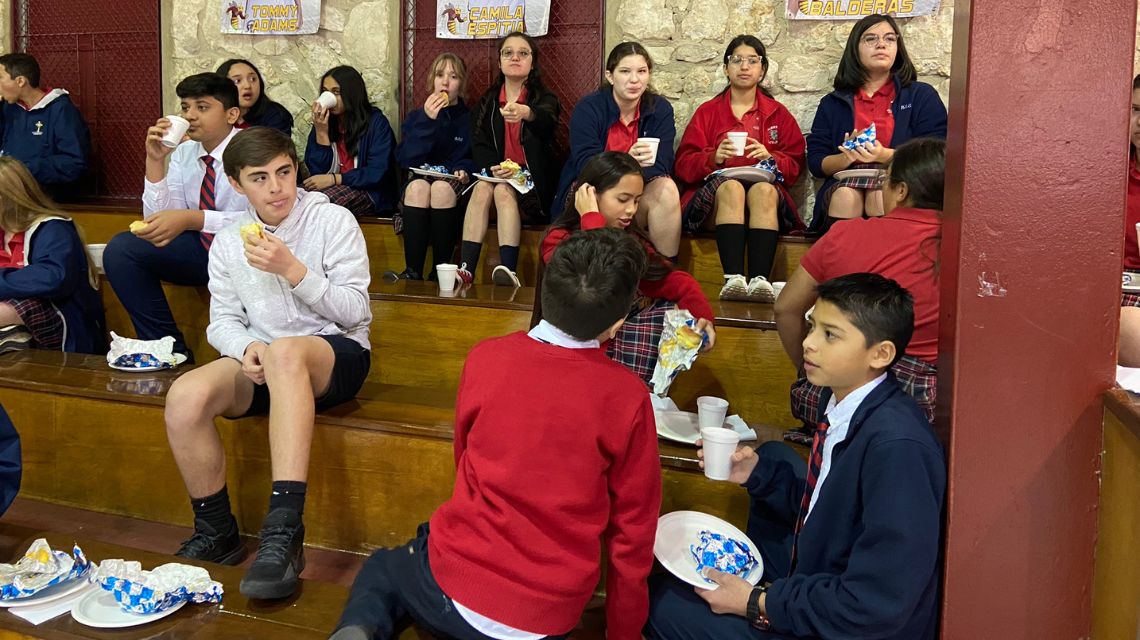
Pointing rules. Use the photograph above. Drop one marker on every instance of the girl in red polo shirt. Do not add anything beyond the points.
(748, 214)
(610, 187)
(901, 245)
(515, 120)
(1129, 350)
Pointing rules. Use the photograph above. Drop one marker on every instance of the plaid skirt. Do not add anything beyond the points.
(41, 320)
(636, 343)
(853, 183)
(355, 200)
(398, 215)
(697, 211)
(918, 378)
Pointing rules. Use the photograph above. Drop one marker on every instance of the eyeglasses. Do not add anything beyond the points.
(872, 40)
(507, 54)
(740, 61)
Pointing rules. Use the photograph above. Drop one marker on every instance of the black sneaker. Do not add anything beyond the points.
(210, 546)
(406, 274)
(15, 337)
(280, 557)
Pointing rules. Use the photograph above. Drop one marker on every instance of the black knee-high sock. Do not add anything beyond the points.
(445, 228)
(509, 256)
(761, 252)
(288, 494)
(730, 240)
(416, 224)
(214, 510)
(469, 254)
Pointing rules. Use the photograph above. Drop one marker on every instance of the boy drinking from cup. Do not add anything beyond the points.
(542, 478)
(851, 543)
(289, 313)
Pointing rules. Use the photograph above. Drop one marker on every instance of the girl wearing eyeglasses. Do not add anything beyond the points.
(515, 120)
(748, 214)
(876, 83)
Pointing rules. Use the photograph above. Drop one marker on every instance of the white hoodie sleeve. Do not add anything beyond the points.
(228, 331)
(341, 295)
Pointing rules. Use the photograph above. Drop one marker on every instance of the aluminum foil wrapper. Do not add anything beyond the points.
(143, 592)
(141, 354)
(521, 181)
(722, 553)
(678, 348)
(40, 568)
(769, 164)
(438, 168)
(866, 137)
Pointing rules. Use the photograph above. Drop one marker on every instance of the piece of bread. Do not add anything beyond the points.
(688, 338)
(138, 225)
(251, 231)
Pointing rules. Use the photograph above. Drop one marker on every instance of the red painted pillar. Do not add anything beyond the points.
(1031, 264)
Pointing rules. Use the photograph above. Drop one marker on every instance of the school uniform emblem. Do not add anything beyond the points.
(39, 128)
(773, 135)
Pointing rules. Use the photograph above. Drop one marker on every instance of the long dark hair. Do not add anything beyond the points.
(920, 164)
(261, 105)
(535, 88)
(622, 51)
(754, 42)
(357, 108)
(604, 171)
(851, 75)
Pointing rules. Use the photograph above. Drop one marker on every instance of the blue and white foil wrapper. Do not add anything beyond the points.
(40, 568)
(438, 168)
(722, 553)
(141, 354)
(143, 592)
(521, 181)
(865, 138)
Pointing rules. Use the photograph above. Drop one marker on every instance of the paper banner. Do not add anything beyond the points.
(270, 17)
(856, 9)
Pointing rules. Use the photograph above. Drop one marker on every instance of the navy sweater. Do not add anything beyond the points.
(52, 141)
(918, 112)
(10, 461)
(273, 116)
(57, 272)
(590, 126)
(444, 141)
(375, 170)
(868, 557)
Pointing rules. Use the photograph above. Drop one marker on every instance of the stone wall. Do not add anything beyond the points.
(361, 33)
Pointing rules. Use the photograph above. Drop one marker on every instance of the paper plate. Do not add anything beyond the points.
(685, 427)
(51, 594)
(1130, 282)
(857, 173)
(433, 174)
(100, 609)
(179, 358)
(677, 530)
(751, 174)
(484, 178)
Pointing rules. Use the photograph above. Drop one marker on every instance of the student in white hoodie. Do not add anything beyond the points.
(289, 313)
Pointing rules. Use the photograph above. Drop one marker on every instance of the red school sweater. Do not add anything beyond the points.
(679, 287)
(543, 477)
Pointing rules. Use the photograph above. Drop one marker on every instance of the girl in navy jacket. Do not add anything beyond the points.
(614, 118)
(875, 84)
(439, 134)
(351, 155)
(257, 110)
(514, 120)
(47, 284)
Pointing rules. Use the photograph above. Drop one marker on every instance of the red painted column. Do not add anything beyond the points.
(1031, 264)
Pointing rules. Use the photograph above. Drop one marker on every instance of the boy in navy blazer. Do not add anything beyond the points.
(851, 543)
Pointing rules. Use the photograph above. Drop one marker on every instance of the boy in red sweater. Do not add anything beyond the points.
(542, 478)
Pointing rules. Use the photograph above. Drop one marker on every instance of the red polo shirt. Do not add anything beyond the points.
(903, 246)
(12, 253)
(1131, 251)
(622, 136)
(876, 108)
(512, 131)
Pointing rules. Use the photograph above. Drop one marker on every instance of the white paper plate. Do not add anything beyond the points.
(677, 530)
(856, 173)
(685, 427)
(484, 178)
(179, 358)
(433, 174)
(100, 609)
(51, 594)
(751, 174)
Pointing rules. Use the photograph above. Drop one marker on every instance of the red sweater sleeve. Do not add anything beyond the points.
(694, 158)
(789, 153)
(592, 220)
(635, 503)
(681, 288)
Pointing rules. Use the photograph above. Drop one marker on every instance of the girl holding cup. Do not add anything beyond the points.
(257, 110)
(742, 126)
(626, 115)
(875, 84)
(351, 151)
(438, 134)
(514, 121)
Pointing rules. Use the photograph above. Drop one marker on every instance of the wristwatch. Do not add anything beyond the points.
(755, 618)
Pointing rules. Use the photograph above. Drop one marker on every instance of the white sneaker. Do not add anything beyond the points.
(735, 287)
(760, 290)
(504, 277)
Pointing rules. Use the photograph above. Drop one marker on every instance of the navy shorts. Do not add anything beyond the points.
(350, 368)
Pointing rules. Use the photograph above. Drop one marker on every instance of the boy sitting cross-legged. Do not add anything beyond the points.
(542, 479)
(851, 544)
(289, 313)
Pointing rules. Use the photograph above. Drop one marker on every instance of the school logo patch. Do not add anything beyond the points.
(773, 135)
(39, 128)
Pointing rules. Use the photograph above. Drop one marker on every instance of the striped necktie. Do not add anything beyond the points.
(815, 462)
(206, 196)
